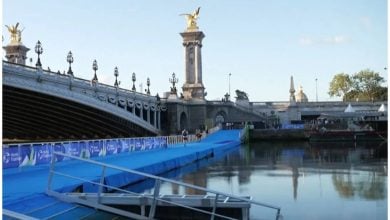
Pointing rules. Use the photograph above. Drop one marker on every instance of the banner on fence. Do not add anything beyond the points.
(11, 157)
(125, 145)
(111, 147)
(95, 148)
(293, 126)
(40, 153)
(59, 147)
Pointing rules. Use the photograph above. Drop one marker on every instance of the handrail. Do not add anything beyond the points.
(164, 142)
(158, 180)
(16, 215)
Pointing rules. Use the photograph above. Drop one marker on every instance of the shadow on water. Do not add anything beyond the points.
(177, 174)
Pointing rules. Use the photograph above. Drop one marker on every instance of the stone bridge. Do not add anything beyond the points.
(43, 105)
(39, 104)
(196, 114)
(307, 111)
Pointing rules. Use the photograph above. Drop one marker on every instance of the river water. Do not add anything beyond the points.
(308, 181)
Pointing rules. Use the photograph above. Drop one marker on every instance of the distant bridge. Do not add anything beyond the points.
(39, 104)
(310, 110)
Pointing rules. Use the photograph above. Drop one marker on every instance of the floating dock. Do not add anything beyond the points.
(57, 190)
(24, 187)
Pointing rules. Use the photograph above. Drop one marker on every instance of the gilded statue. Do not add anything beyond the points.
(191, 19)
(16, 34)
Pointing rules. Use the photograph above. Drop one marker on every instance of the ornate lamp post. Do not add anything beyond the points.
(148, 84)
(39, 51)
(94, 67)
(158, 98)
(116, 74)
(133, 79)
(173, 80)
(227, 97)
(69, 59)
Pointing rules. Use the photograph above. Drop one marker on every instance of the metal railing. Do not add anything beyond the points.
(178, 139)
(13, 155)
(155, 197)
(82, 81)
(16, 215)
(26, 154)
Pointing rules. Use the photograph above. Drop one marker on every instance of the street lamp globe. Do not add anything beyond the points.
(116, 74)
(69, 59)
(94, 67)
(133, 78)
(39, 51)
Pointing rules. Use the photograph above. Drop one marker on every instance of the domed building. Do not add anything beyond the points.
(301, 96)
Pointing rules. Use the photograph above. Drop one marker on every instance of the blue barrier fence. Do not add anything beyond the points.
(18, 155)
(293, 126)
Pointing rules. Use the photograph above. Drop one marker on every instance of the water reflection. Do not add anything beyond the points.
(370, 187)
(300, 177)
(343, 160)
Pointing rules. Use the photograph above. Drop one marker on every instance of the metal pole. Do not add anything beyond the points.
(154, 202)
(316, 91)
(51, 170)
(229, 83)
(214, 207)
(101, 183)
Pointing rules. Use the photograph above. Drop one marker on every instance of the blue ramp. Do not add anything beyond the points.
(24, 188)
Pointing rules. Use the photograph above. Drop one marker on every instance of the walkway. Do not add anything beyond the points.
(24, 188)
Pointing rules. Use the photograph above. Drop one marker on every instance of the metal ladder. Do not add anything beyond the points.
(101, 200)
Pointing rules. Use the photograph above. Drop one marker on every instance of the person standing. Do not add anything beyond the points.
(184, 133)
(198, 135)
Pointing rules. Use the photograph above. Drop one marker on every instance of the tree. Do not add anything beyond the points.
(382, 93)
(368, 82)
(364, 86)
(340, 85)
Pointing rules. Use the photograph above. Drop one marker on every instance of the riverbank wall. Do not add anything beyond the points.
(277, 134)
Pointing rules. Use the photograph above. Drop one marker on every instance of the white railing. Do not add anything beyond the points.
(178, 139)
(215, 129)
(156, 197)
(16, 215)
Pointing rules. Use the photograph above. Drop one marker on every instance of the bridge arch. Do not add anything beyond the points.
(220, 117)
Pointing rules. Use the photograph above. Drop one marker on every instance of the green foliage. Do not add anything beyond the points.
(368, 83)
(340, 85)
(362, 86)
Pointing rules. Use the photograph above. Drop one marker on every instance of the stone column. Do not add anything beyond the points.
(158, 119)
(16, 53)
(292, 92)
(155, 118)
(193, 87)
(141, 114)
(148, 115)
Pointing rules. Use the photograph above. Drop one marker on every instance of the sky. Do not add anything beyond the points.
(261, 43)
